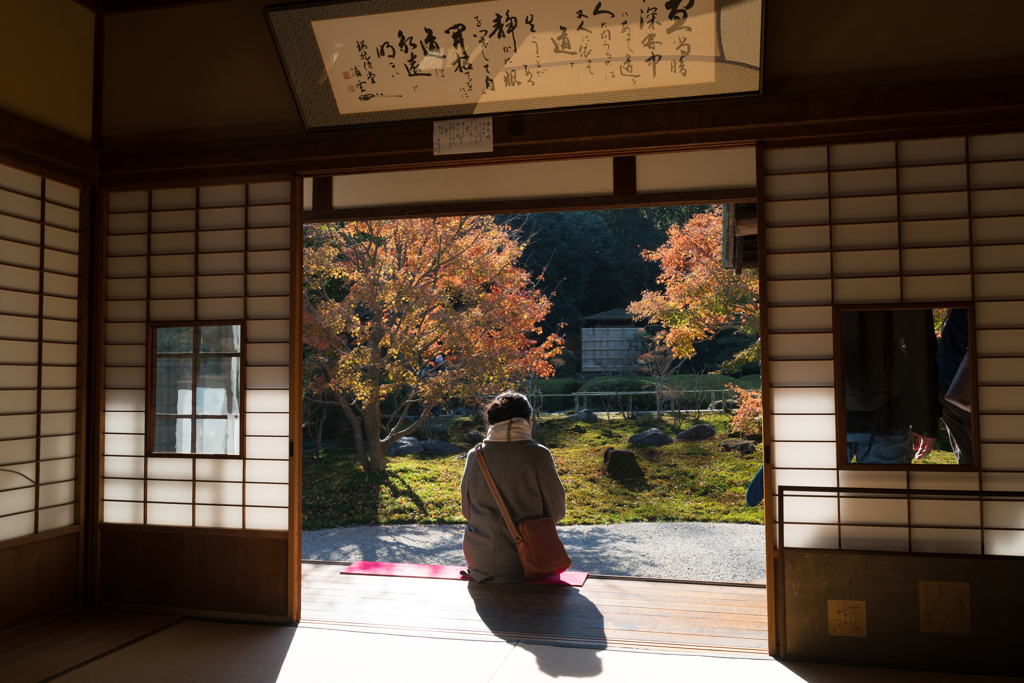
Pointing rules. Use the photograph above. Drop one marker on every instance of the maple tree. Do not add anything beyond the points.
(700, 297)
(404, 315)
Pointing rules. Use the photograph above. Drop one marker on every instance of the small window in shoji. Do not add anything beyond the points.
(197, 390)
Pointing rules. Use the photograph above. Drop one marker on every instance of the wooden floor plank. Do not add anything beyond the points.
(52, 648)
(665, 616)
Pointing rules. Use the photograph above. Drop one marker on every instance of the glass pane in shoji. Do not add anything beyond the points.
(796, 160)
(932, 151)
(814, 238)
(875, 181)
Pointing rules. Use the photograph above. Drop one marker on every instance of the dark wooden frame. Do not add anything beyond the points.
(151, 379)
(840, 392)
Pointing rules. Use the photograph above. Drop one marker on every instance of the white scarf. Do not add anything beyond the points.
(516, 429)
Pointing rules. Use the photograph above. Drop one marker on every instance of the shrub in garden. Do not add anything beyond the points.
(747, 420)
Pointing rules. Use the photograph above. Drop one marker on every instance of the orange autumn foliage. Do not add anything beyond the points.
(404, 315)
(747, 420)
(699, 296)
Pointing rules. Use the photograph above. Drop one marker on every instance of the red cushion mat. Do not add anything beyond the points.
(434, 571)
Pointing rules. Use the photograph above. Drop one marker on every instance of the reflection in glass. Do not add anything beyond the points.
(174, 339)
(172, 435)
(218, 437)
(217, 393)
(220, 339)
(174, 385)
(898, 366)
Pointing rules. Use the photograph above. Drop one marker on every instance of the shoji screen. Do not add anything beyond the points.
(39, 247)
(187, 255)
(923, 220)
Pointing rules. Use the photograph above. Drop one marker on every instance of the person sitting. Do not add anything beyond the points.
(525, 475)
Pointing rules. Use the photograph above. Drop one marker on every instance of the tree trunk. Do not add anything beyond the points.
(375, 447)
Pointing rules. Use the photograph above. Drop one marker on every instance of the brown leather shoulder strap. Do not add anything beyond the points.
(497, 495)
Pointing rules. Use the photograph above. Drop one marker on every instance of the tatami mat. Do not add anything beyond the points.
(207, 652)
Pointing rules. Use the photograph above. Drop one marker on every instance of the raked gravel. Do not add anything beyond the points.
(694, 551)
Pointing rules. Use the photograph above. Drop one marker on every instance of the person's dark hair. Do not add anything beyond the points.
(507, 406)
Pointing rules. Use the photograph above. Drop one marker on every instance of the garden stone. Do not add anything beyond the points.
(439, 448)
(739, 446)
(585, 415)
(700, 432)
(475, 437)
(407, 445)
(651, 437)
(622, 465)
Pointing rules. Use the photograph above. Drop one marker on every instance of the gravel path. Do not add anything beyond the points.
(665, 550)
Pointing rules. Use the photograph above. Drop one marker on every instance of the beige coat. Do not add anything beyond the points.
(525, 474)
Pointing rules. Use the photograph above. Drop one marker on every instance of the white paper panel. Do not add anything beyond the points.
(176, 198)
(122, 513)
(1000, 370)
(266, 471)
(796, 186)
(864, 209)
(127, 400)
(170, 468)
(866, 290)
(1004, 543)
(933, 205)
(1002, 481)
(222, 240)
(127, 223)
(220, 469)
(126, 354)
(268, 285)
(571, 178)
(1002, 456)
(56, 518)
(1001, 399)
(804, 427)
(997, 174)
(221, 285)
(802, 319)
(219, 516)
(266, 401)
(937, 288)
(267, 354)
(217, 219)
(856, 263)
(1010, 229)
(57, 423)
(220, 309)
(808, 477)
(951, 513)
(812, 536)
(16, 254)
(872, 479)
(876, 181)
(19, 230)
(266, 447)
(124, 444)
(267, 307)
(20, 181)
(124, 467)
(126, 289)
(125, 423)
(219, 493)
(221, 264)
(60, 331)
(169, 492)
(933, 178)
(934, 151)
(56, 470)
(940, 260)
(171, 287)
(273, 519)
(23, 401)
(813, 238)
(63, 194)
(119, 202)
(19, 206)
(966, 541)
(266, 424)
(796, 160)
(802, 373)
(270, 238)
(997, 202)
(56, 446)
(989, 147)
(872, 510)
(270, 193)
(172, 221)
(797, 212)
(61, 216)
(865, 235)
(169, 515)
(18, 451)
(169, 265)
(126, 378)
(123, 489)
(270, 216)
(16, 526)
(268, 262)
(696, 170)
(60, 262)
(799, 292)
(957, 481)
(798, 265)
(17, 426)
(18, 377)
(222, 195)
(1006, 514)
(173, 243)
(58, 401)
(266, 494)
(862, 155)
(807, 346)
(65, 240)
(172, 309)
(1001, 258)
(889, 539)
(13, 501)
(126, 333)
(1002, 428)
(810, 509)
(804, 454)
(56, 494)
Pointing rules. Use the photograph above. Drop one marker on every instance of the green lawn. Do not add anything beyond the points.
(682, 482)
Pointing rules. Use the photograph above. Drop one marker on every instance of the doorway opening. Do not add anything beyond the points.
(631, 333)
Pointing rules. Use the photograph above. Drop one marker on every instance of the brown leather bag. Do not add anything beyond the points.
(540, 549)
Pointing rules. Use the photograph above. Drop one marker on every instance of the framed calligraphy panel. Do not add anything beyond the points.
(372, 61)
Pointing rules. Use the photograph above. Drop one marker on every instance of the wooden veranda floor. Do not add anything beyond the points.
(667, 616)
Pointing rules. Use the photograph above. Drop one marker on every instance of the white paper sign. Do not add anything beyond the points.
(464, 136)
